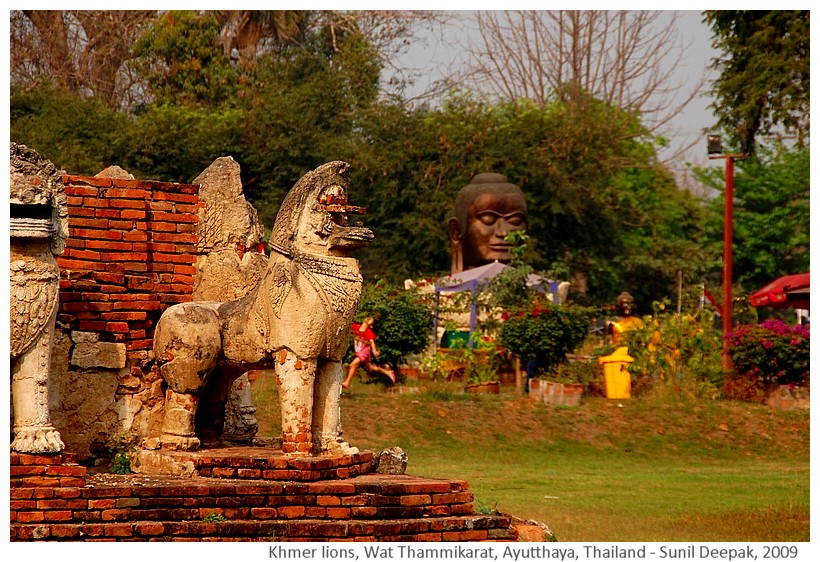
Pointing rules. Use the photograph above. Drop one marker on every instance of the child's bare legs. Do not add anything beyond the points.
(351, 372)
(386, 372)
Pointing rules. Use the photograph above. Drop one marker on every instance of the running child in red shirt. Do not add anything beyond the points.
(364, 347)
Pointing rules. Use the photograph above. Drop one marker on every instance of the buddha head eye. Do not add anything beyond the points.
(515, 219)
(488, 218)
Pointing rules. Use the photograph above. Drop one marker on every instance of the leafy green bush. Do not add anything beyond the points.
(79, 134)
(675, 349)
(526, 321)
(769, 353)
(544, 331)
(404, 320)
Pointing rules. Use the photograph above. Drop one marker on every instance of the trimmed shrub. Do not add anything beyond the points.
(544, 331)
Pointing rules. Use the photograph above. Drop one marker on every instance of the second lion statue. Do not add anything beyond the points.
(296, 321)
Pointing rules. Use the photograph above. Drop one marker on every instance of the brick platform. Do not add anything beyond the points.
(47, 505)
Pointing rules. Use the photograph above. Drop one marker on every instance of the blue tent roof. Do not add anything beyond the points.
(473, 279)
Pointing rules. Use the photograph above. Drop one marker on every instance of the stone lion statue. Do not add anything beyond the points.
(38, 229)
(296, 321)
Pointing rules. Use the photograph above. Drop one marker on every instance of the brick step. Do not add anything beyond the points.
(456, 528)
(139, 507)
(52, 498)
(108, 497)
(45, 470)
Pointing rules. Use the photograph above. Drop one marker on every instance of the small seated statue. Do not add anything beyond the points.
(626, 306)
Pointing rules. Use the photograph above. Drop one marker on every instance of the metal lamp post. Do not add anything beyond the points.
(715, 151)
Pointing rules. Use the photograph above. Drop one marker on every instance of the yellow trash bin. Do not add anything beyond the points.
(616, 375)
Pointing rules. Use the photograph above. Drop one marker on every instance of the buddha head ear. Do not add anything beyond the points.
(454, 232)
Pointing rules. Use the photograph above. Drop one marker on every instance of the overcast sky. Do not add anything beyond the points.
(430, 60)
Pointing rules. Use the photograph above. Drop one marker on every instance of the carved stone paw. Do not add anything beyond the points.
(37, 440)
(179, 442)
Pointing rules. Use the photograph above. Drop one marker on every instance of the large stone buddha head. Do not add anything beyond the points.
(486, 211)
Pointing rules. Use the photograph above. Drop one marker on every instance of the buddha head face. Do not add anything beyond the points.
(487, 210)
(625, 303)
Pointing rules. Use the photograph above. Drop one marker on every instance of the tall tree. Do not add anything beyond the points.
(764, 73)
(244, 34)
(601, 209)
(183, 63)
(84, 51)
(80, 135)
(302, 104)
(627, 59)
(247, 34)
(771, 214)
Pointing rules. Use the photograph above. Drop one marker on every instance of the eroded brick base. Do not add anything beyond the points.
(266, 463)
(53, 499)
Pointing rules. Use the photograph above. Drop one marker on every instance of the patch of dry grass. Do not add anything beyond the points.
(665, 466)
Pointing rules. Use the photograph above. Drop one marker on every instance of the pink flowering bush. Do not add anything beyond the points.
(769, 353)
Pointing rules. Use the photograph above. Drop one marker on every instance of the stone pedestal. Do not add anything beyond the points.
(251, 463)
(562, 394)
(789, 397)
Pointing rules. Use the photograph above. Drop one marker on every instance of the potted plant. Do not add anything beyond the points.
(482, 381)
(477, 366)
(481, 368)
(411, 368)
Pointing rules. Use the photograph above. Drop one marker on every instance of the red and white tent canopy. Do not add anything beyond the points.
(785, 292)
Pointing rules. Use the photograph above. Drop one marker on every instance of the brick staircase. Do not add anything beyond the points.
(54, 499)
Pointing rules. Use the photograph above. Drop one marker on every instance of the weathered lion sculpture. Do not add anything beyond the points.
(38, 228)
(296, 321)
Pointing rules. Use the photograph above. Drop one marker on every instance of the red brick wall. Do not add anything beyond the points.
(130, 254)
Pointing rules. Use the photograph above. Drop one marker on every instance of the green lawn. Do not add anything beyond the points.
(664, 466)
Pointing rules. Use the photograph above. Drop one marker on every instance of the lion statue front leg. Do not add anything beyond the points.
(187, 344)
(295, 377)
(327, 423)
(309, 392)
(33, 432)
